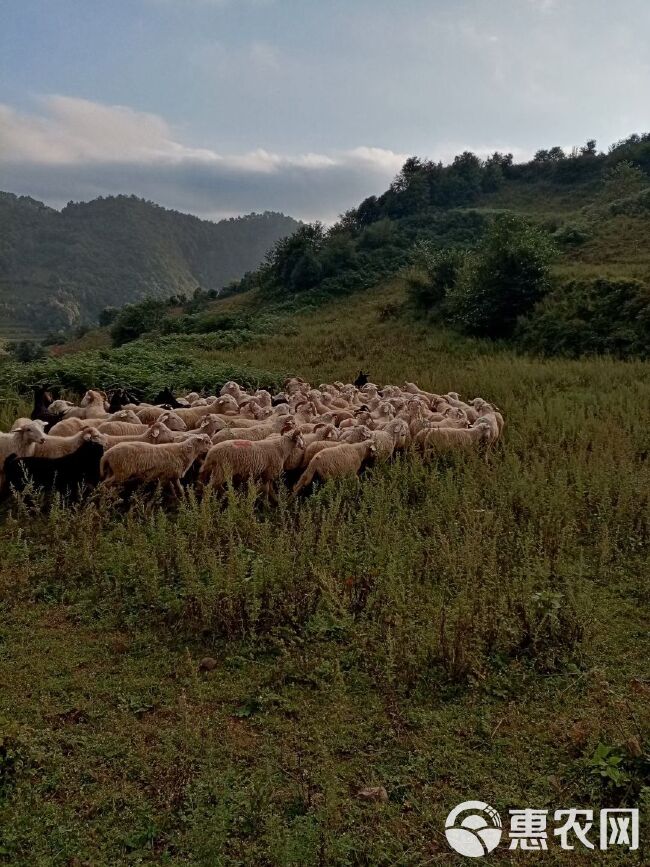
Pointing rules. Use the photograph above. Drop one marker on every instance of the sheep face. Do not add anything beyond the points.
(92, 435)
(92, 396)
(211, 424)
(230, 388)
(296, 436)
(201, 444)
(173, 421)
(454, 412)
(32, 431)
(226, 403)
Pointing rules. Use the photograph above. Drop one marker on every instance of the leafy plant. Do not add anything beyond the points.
(505, 276)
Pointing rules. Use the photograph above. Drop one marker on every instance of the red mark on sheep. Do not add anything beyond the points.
(242, 444)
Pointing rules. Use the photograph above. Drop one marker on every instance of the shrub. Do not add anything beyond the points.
(502, 279)
(637, 205)
(623, 180)
(25, 351)
(146, 364)
(571, 236)
(136, 319)
(433, 274)
(107, 316)
(591, 316)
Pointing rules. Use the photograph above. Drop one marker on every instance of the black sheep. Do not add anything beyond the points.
(66, 474)
(42, 400)
(362, 379)
(166, 399)
(120, 397)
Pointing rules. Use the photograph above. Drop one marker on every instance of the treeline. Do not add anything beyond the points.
(445, 209)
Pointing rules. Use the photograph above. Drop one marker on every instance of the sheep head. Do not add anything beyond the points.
(201, 444)
(485, 428)
(230, 388)
(289, 425)
(30, 431)
(126, 415)
(92, 435)
(298, 439)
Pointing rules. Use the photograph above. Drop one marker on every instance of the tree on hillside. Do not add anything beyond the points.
(502, 279)
(136, 319)
(623, 180)
(293, 261)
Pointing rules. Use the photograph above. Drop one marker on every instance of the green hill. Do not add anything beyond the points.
(61, 268)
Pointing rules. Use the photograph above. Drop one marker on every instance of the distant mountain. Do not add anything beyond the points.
(61, 268)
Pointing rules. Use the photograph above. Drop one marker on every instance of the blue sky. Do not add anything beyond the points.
(226, 106)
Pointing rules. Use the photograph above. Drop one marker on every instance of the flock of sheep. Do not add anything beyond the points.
(303, 432)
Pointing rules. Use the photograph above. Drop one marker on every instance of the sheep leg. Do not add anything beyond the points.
(270, 491)
(178, 488)
(304, 480)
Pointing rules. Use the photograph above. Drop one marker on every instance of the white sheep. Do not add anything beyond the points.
(322, 433)
(192, 415)
(58, 407)
(68, 426)
(121, 428)
(58, 447)
(261, 461)
(454, 438)
(150, 414)
(345, 459)
(486, 412)
(93, 405)
(254, 433)
(144, 462)
(158, 433)
(313, 449)
(21, 441)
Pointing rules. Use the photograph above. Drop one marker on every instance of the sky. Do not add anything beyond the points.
(222, 107)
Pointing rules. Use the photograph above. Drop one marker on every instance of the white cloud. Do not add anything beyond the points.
(74, 147)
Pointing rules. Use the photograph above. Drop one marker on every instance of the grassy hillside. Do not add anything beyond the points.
(457, 630)
(462, 629)
(59, 269)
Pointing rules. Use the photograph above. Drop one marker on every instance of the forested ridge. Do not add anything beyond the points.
(59, 269)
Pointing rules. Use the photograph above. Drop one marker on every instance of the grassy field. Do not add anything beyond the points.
(465, 629)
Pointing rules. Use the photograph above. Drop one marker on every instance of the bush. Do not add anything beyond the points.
(591, 316)
(147, 365)
(637, 205)
(571, 236)
(623, 180)
(137, 319)
(107, 316)
(502, 279)
(25, 351)
(432, 275)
